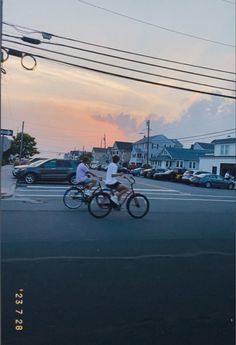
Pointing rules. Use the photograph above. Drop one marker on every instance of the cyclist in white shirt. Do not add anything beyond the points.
(112, 182)
(83, 172)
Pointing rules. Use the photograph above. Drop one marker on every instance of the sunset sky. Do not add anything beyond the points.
(69, 108)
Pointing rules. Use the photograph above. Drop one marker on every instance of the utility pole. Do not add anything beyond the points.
(104, 140)
(148, 135)
(1, 148)
(21, 140)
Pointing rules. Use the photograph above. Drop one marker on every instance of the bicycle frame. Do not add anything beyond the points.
(129, 193)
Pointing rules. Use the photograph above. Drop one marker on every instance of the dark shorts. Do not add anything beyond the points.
(114, 185)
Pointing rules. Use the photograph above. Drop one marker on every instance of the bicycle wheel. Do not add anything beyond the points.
(137, 205)
(99, 205)
(73, 198)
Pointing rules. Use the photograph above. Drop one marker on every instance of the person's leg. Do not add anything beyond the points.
(90, 183)
(121, 189)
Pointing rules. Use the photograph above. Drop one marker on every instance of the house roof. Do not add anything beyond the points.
(205, 146)
(183, 154)
(159, 139)
(122, 145)
(99, 149)
(224, 141)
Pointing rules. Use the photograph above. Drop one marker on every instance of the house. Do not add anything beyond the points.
(123, 150)
(175, 157)
(203, 146)
(156, 145)
(222, 159)
(100, 155)
(73, 154)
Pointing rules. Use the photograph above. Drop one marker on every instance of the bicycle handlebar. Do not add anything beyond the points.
(130, 179)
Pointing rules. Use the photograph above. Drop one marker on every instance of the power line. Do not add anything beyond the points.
(115, 49)
(128, 77)
(229, 2)
(209, 137)
(201, 135)
(155, 25)
(127, 59)
(120, 67)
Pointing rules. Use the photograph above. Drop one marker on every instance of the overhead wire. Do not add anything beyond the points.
(131, 60)
(120, 67)
(128, 77)
(199, 135)
(123, 51)
(155, 25)
(209, 135)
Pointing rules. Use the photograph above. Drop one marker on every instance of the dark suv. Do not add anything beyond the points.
(49, 170)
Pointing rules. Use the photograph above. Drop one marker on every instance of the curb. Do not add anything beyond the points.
(10, 192)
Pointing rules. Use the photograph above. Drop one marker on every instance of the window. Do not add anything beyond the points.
(168, 164)
(63, 164)
(159, 163)
(50, 164)
(214, 170)
(224, 150)
(194, 165)
(190, 165)
(177, 164)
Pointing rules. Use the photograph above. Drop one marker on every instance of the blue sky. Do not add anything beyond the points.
(65, 107)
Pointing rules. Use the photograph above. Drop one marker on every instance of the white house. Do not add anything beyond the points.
(156, 144)
(123, 150)
(223, 158)
(100, 155)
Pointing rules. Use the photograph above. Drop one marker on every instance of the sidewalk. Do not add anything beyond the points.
(8, 182)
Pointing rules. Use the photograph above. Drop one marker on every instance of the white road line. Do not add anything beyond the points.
(150, 198)
(134, 257)
(192, 199)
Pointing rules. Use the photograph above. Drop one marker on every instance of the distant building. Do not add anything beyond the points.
(203, 146)
(156, 145)
(180, 158)
(222, 159)
(100, 155)
(73, 154)
(123, 150)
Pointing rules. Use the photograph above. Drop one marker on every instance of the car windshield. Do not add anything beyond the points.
(34, 164)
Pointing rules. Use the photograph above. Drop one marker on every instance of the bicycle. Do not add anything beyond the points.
(75, 196)
(137, 204)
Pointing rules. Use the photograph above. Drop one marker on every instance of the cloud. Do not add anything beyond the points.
(125, 122)
(201, 117)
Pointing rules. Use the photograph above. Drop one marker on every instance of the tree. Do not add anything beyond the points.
(28, 148)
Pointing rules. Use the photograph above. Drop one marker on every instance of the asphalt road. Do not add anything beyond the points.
(167, 279)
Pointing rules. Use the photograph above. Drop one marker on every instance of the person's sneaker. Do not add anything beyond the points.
(115, 200)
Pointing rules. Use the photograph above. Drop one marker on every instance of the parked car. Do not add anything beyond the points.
(123, 169)
(145, 172)
(104, 167)
(49, 170)
(94, 165)
(136, 171)
(24, 166)
(149, 173)
(186, 178)
(169, 175)
(165, 175)
(212, 180)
